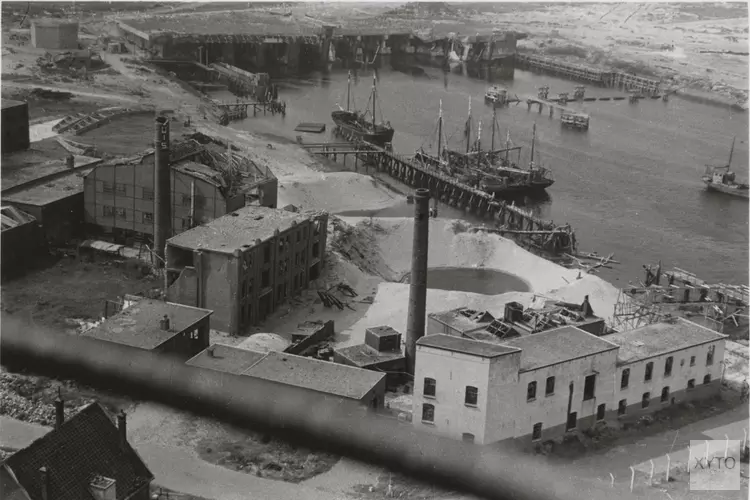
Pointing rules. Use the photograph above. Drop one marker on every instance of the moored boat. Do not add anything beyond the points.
(723, 180)
(496, 94)
(357, 126)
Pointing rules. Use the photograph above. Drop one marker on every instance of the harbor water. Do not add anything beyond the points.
(631, 185)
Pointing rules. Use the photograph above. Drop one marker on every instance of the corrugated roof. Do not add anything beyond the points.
(11, 217)
(556, 346)
(316, 375)
(237, 229)
(139, 325)
(661, 338)
(465, 346)
(86, 445)
(226, 358)
(200, 171)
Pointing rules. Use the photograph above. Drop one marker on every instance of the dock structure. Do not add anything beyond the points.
(610, 79)
(541, 236)
(568, 116)
(240, 110)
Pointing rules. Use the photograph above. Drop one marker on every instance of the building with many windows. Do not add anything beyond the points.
(539, 387)
(245, 264)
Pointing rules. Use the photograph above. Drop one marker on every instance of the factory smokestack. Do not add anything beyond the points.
(162, 189)
(415, 325)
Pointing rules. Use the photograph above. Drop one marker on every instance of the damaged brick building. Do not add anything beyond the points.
(245, 264)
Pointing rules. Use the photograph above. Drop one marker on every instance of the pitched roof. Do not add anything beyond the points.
(10, 488)
(465, 346)
(661, 338)
(85, 446)
(557, 346)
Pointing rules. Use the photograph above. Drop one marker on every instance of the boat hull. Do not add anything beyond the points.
(729, 190)
(347, 122)
(526, 189)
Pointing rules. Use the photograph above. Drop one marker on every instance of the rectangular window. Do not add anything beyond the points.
(265, 279)
(108, 211)
(472, 396)
(572, 422)
(531, 391)
(550, 387)
(601, 410)
(625, 380)
(299, 236)
(428, 413)
(148, 217)
(267, 253)
(121, 188)
(665, 395)
(622, 407)
(536, 432)
(668, 366)
(589, 387)
(430, 387)
(148, 194)
(186, 200)
(707, 379)
(649, 371)
(645, 400)
(691, 384)
(710, 355)
(107, 187)
(200, 201)
(692, 360)
(120, 213)
(316, 249)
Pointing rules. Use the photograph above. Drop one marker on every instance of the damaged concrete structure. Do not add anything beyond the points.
(245, 264)
(120, 194)
(539, 387)
(21, 238)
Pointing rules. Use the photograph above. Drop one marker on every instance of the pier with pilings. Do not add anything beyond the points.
(538, 235)
(241, 110)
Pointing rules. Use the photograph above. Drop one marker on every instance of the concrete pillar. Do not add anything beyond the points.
(162, 189)
(292, 54)
(260, 55)
(415, 326)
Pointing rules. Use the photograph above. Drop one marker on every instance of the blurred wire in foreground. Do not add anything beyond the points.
(293, 415)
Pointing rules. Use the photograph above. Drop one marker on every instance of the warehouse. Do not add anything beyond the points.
(54, 34)
(245, 264)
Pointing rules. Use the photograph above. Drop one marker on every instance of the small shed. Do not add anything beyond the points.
(54, 34)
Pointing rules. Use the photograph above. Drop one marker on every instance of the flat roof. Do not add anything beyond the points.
(316, 375)
(10, 103)
(51, 21)
(556, 346)
(458, 321)
(26, 167)
(661, 338)
(465, 346)
(49, 191)
(382, 331)
(139, 324)
(226, 358)
(364, 355)
(227, 23)
(237, 229)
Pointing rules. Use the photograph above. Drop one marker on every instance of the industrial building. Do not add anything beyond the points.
(54, 34)
(15, 125)
(85, 456)
(330, 379)
(381, 352)
(542, 386)
(21, 238)
(120, 194)
(156, 325)
(245, 264)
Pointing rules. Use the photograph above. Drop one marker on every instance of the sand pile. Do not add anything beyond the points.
(335, 192)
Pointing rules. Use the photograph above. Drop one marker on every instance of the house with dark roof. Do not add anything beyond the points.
(156, 325)
(85, 457)
(543, 386)
(323, 377)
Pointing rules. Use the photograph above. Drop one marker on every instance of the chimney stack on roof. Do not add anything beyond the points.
(122, 427)
(59, 409)
(164, 323)
(44, 480)
(210, 352)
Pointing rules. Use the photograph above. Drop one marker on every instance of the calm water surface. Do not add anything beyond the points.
(474, 280)
(630, 185)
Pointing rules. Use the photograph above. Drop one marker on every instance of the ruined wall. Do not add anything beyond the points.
(184, 290)
(320, 334)
(217, 281)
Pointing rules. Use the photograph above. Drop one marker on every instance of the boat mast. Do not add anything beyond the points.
(494, 113)
(479, 143)
(468, 128)
(374, 96)
(507, 146)
(533, 140)
(348, 89)
(731, 152)
(440, 130)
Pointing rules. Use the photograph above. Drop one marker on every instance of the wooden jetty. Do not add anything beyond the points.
(241, 110)
(544, 237)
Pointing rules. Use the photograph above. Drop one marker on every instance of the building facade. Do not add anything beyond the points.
(15, 125)
(119, 195)
(55, 34)
(542, 386)
(245, 264)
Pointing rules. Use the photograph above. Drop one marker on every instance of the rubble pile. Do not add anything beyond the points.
(30, 399)
(359, 245)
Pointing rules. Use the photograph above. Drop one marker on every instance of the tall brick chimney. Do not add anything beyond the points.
(44, 480)
(415, 325)
(162, 188)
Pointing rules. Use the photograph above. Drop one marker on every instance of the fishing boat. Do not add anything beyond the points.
(496, 95)
(357, 126)
(722, 179)
(491, 171)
